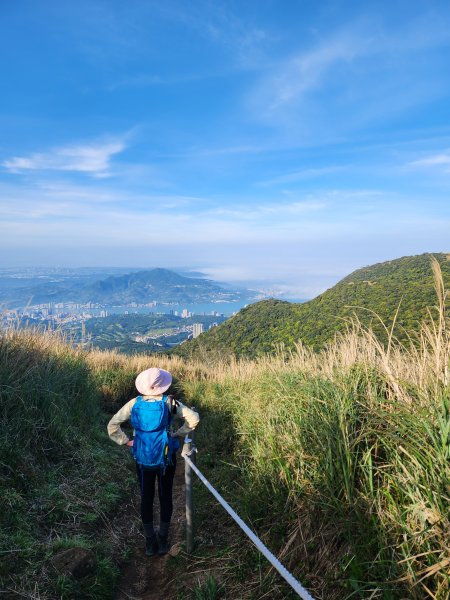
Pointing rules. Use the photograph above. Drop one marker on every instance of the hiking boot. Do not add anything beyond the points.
(151, 545)
(163, 544)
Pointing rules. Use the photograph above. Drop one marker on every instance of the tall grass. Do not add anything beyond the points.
(349, 450)
(46, 397)
(57, 484)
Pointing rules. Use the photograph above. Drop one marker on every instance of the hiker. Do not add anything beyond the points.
(154, 448)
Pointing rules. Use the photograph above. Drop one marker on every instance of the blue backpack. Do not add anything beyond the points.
(152, 447)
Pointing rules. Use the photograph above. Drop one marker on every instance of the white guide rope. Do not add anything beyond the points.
(295, 585)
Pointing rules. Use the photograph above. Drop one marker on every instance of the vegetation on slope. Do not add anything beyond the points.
(405, 284)
(67, 515)
(61, 479)
(118, 332)
(339, 459)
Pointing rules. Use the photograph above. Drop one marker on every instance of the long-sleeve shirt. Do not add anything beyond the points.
(190, 419)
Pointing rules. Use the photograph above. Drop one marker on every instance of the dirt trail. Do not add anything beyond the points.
(147, 577)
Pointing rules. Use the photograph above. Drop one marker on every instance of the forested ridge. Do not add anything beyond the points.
(372, 294)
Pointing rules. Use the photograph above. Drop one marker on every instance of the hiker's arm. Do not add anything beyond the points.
(115, 432)
(190, 418)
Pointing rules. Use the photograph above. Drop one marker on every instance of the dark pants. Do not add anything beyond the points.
(147, 482)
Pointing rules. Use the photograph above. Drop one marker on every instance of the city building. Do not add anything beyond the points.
(197, 329)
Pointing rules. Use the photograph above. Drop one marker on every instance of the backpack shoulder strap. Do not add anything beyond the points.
(173, 404)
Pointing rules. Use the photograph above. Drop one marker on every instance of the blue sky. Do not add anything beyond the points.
(280, 142)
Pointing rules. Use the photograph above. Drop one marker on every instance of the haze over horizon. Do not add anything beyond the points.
(289, 143)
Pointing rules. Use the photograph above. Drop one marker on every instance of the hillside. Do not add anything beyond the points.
(137, 333)
(379, 289)
(306, 450)
(56, 489)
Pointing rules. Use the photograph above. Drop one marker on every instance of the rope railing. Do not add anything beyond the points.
(188, 454)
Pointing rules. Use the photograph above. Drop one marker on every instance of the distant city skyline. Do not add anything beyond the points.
(285, 143)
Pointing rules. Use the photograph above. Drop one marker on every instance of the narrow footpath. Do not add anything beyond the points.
(148, 577)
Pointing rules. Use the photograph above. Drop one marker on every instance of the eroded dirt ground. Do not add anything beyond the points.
(148, 577)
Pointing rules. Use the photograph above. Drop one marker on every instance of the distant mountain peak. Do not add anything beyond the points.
(157, 285)
(142, 287)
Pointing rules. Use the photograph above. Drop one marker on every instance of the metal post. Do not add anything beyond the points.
(187, 449)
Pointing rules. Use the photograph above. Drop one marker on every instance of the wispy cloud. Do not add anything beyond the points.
(225, 151)
(356, 75)
(150, 216)
(292, 79)
(93, 159)
(269, 212)
(299, 175)
(435, 161)
(306, 71)
(240, 38)
(280, 240)
(143, 79)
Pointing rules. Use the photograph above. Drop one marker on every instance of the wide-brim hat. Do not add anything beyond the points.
(153, 382)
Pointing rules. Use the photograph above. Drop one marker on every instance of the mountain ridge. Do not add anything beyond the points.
(405, 284)
(158, 284)
(142, 287)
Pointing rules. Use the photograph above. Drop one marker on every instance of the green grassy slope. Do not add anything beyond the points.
(60, 474)
(380, 288)
(339, 475)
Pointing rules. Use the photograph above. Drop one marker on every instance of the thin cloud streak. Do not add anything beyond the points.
(294, 78)
(124, 217)
(274, 211)
(440, 161)
(300, 175)
(223, 27)
(289, 94)
(306, 72)
(93, 159)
